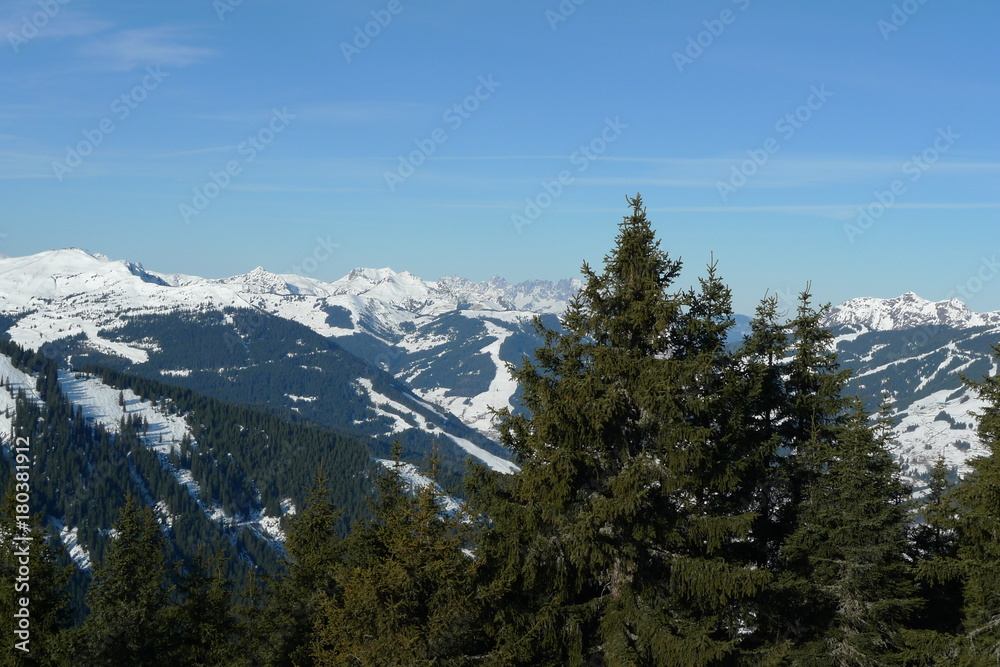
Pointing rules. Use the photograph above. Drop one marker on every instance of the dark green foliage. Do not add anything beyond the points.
(934, 548)
(42, 584)
(252, 358)
(312, 549)
(204, 627)
(128, 596)
(978, 553)
(801, 408)
(612, 540)
(338, 316)
(404, 593)
(463, 367)
(7, 321)
(82, 472)
(850, 546)
(764, 404)
(241, 451)
(376, 353)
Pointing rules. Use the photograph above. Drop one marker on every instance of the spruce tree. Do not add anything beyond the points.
(850, 541)
(811, 409)
(761, 360)
(610, 543)
(312, 550)
(252, 620)
(816, 405)
(405, 594)
(934, 550)
(44, 588)
(203, 624)
(978, 500)
(128, 595)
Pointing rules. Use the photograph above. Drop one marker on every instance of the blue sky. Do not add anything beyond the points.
(487, 137)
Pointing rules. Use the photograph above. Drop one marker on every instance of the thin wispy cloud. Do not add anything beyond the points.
(21, 164)
(787, 172)
(267, 187)
(837, 211)
(197, 151)
(242, 118)
(63, 24)
(363, 112)
(14, 177)
(485, 158)
(833, 211)
(131, 49)
(338, 113)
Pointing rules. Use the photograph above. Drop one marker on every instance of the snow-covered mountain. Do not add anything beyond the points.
(395, 321)
(446, 343)
(536, 296)
(389, 305)
(59, 294)
(412, 327)
(210, 471)
(71, 302)
(908, 311)
(73, 288)
(919, 350)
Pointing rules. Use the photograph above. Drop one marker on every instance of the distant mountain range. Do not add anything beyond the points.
(908, 311)
(380, 356)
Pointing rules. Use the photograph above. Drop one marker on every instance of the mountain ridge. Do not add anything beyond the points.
(409, 292)
(450, 341)
(907, 311)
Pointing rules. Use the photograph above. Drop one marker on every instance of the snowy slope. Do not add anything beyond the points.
(63, 293)
(404, 417)
(474, 410)
(100, 404)
(416, 481)
(450, 339)
(908, 311)
(15, 381)
(68, 537)
(939, 426)
(922, 369)
(73, 301)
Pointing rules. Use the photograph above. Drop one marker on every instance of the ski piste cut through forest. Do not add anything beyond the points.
(679, 502)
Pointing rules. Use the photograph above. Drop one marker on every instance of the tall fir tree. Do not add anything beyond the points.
(609, 544)
(812, 409)
(29, 572)
(978, 500)
(204, 624)
(313, 550)
(128, 595)
(850, 542)
(816, 406)
(934, 550)
(405, 594)
(761, 360)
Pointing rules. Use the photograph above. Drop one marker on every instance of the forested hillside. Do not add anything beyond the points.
(281, 367)
(225, 485)
(679, 502)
